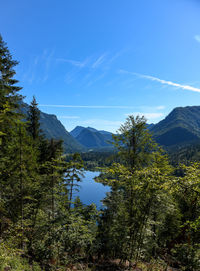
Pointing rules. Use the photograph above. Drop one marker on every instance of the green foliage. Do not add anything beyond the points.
(151, 214)
(10, 259)
(134, 143)
(8, 93)
(74, 172)
(94, 159)
(52, 128)
(33, 126)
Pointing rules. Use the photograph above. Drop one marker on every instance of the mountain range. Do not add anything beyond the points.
(53, 128)
(92, 138)
(181, 127)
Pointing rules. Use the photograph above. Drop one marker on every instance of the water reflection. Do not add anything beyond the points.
(90, 191)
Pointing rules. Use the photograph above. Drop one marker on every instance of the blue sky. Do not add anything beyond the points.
(94, 62)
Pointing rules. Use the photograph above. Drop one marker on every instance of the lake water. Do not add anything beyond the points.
(91, 191)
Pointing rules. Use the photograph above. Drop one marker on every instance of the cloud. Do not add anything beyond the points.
(96, 79)
(197, 38)
(151, 108)
(75, 63)
(48, 60)
(101, 121)
(159, 107)
(91, 69)
(68, 117)
(29, 74)
(88, 106)
(36, 59)
(99, 61)
(164, 82)
(146, 115)
(118, 54)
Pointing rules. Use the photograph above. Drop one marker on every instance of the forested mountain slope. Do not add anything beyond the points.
(181, 126)
(53, 128)
(92, 138)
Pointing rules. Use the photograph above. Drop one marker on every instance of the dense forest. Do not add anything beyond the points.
(151, 217)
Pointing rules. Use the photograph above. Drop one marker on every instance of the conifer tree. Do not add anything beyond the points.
(9, 97)
(74, 173)
(33, 119)
(9, 120)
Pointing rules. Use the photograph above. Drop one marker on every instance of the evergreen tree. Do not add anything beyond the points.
(74, 173)
(9, 97)
(33, 119)
(9, 123)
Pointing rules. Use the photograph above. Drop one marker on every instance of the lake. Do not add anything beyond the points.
(91, 191)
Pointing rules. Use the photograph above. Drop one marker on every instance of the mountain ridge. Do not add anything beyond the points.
(53, 128)
(181, 125)
(91, 137)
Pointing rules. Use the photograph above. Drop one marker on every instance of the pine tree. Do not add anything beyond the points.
(9, 121)
(74, 173)
(9, 97)
(33, 119)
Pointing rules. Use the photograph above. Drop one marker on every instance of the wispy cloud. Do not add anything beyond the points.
(197, 38)
(68, 117)
(101, 124)
(48, 61)
(91, 82)
(99, 61)
(29, 74)
(164, 82)
(88, 62)
(152, 108)
(114, 57)
(159, 107)
(36, 59)
(79, 64)
(88, 106)
(94, 68)
(146, 115)
(39, 67)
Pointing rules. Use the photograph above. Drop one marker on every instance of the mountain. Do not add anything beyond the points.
(92, 138)
(150, 126)
(92, 129)
(53, 128)
(107, 135)
(76, 131)
(180, 127)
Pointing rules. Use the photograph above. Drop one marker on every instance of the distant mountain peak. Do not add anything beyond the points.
(53, 128)
(181, 126)
(92, 129)
(91, 137)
